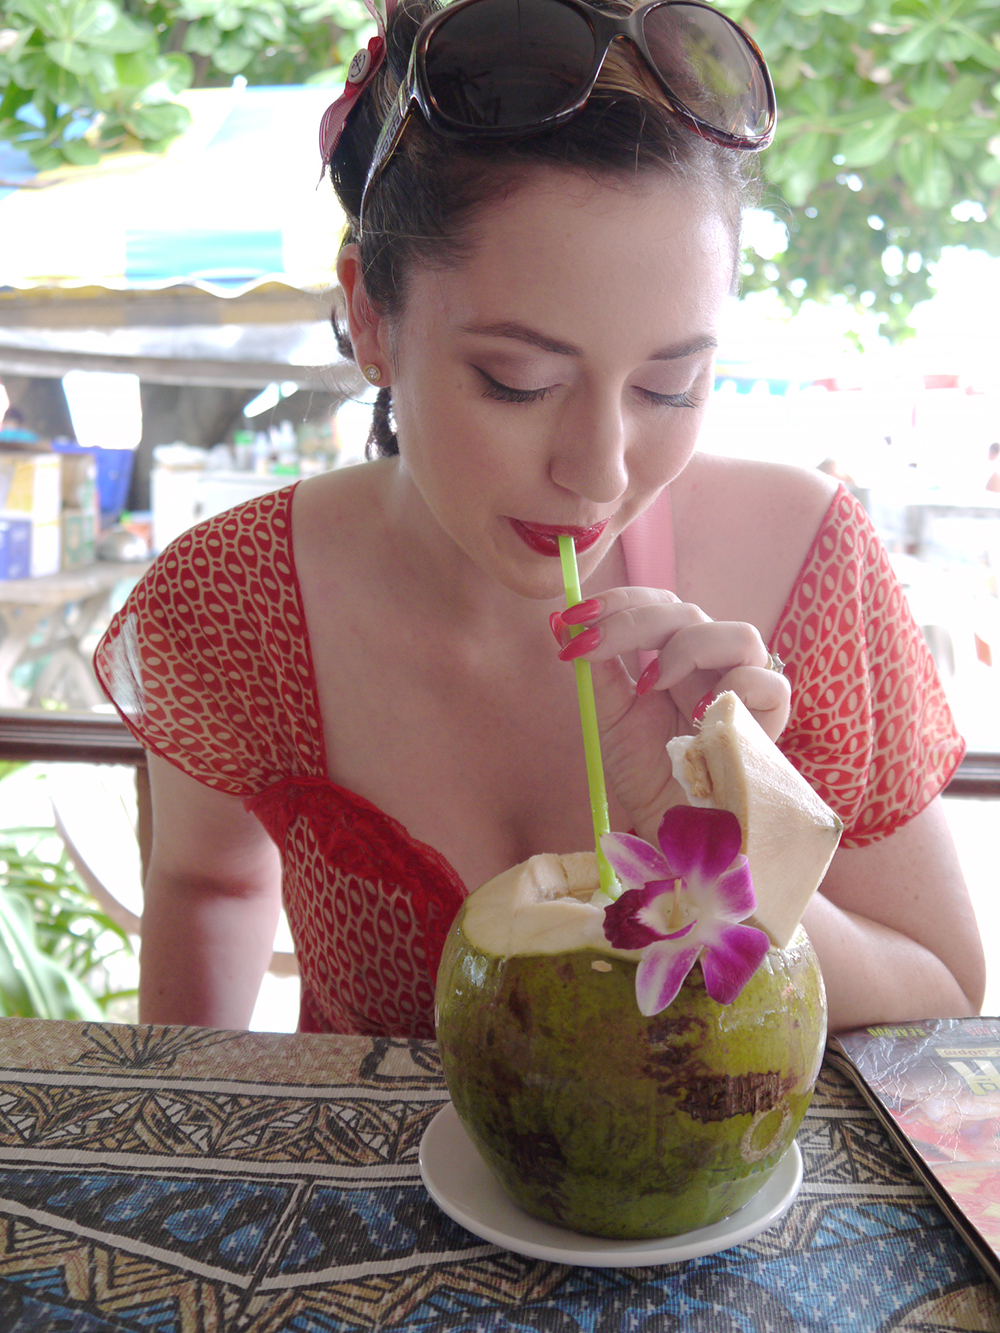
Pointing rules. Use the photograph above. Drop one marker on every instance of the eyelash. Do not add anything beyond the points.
(505, 394)
(685, 399)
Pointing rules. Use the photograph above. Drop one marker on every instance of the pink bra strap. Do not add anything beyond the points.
(648, 546)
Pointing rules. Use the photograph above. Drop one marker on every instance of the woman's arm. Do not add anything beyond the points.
(212, 902)
(894, 929)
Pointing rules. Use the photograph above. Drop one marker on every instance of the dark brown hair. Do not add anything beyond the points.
(423, 207)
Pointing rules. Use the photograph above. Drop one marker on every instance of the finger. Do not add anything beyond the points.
(766, 693)
(614, 600)
(641, 626)
(714, 645)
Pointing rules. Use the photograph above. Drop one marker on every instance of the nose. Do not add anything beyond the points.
(589, 451)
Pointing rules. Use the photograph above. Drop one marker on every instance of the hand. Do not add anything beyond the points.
(696, 657)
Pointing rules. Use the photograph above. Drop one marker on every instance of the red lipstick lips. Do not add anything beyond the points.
(543, 538)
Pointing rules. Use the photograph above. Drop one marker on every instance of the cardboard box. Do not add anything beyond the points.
(46, 541)
(31, 484)
(79, 538)
(15, 547)
(79, 482)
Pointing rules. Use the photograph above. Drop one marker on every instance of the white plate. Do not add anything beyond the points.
(463, 1186)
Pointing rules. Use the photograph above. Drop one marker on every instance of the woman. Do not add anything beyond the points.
(353, 681)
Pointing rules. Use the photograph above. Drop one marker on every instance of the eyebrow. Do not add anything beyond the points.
(523, 333)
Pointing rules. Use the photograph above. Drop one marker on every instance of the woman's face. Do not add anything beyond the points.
(557, 376)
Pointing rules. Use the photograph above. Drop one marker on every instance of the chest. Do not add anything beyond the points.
(481, 758)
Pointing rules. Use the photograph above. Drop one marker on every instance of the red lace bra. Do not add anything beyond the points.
(210, 666)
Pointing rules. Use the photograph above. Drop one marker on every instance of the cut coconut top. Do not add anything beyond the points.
(540, 907)
(789, 833)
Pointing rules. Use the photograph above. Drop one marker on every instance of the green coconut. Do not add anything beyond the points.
(592, 1116)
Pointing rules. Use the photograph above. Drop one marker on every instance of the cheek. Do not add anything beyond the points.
(667, 450)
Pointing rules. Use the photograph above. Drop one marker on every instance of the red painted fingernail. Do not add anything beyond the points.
(648, 678)
(701, 707)
(557, 627)
(582, 612)
(583, 643)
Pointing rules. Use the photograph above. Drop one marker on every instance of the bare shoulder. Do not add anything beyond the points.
(743, 530)
(337, 517)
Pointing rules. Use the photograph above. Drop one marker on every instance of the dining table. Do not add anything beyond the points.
(190, 1180)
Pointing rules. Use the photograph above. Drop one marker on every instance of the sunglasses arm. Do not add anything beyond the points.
(388, 140)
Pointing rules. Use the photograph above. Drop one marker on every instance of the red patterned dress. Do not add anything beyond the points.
(209, 664)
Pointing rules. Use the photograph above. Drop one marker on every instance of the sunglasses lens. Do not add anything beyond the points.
(498, 64)
(708, 68)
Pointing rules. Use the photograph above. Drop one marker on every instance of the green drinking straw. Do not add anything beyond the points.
(588, 720)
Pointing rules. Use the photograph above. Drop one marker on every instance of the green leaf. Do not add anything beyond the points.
(201, 38)
(232, 56)
(38, 12)
(37, 71)
(80, 153)
(135, 69)
(227, 17)
(268, 27)
(102, 70)
(871, 141)
(163, 121)
(13, 99)
(42, 156)
(82, 21)
(125, 35)
(176, 72)
(31, 983)
(14, 52)
(68, 55)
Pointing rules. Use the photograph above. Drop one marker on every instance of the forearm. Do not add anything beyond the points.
(874, 974)
(203, 953)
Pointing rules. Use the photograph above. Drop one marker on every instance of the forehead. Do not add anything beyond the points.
(624, 259)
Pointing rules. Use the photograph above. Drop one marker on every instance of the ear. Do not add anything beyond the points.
(368, 328)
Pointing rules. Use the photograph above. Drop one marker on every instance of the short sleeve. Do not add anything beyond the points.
(870, 727)
(208, 661)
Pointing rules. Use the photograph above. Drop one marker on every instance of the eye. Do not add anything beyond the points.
(505, 394)
(685, 399)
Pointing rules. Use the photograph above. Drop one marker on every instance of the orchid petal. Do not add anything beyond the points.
(634, 861)
(734, 895)
(700, 841)
(729, 963)
(684, 930)
(661, 974)
(624, 923)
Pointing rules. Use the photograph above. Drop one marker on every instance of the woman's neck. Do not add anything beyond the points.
(433, 573)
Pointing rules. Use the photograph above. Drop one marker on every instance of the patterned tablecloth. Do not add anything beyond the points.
(178, 1180)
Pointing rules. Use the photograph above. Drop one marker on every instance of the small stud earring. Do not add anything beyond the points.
(372, 373)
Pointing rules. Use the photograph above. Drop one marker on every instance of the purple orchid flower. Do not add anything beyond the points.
(682, 901)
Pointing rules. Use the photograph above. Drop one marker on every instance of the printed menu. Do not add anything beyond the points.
(935, 1085)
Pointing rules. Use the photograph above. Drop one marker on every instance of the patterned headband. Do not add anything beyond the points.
(362, 69)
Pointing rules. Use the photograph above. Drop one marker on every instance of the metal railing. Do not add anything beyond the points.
(96, 738)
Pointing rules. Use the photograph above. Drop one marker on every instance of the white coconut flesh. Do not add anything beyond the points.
(542, 906)
(539, 907)
(789, 833)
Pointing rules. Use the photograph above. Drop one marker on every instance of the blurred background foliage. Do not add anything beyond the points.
(82, 77)
(888, 144)
(58, 949)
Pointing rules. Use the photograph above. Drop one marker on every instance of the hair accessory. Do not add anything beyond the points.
(774, 663)
(360, 72)
(372, 373)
